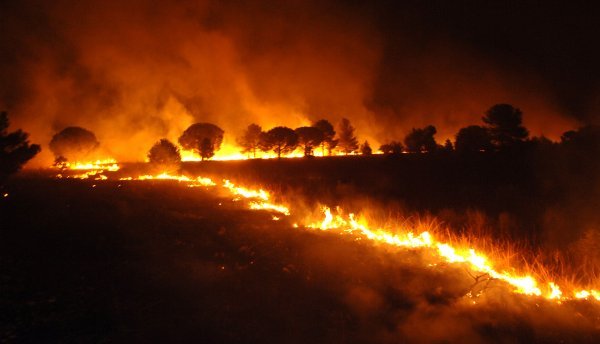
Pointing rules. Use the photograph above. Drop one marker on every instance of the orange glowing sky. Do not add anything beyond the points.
(135, 72)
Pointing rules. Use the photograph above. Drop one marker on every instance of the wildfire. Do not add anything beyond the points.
(199, 181)
(90, 170)
(260, 199)
(98, 165)
(260, 195)
(229, 152)
(233, 153)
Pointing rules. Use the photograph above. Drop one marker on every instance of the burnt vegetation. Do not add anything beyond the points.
(156, 261)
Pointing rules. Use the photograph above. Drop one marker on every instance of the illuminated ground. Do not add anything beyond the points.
(157, 261)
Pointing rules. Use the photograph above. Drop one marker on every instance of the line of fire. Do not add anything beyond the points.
(299, 172)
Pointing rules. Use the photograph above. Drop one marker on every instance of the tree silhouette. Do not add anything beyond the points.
(15, 149)
(472, 139)
(72, 144)
(347, 142)
(281, 140)
(207, 148)
(164, 155)
(365, 148)
(421, 140)
(448, 146)
(203, 138)
(309, 138)
(392, 148)
(504, 124)
(326, 128)
(585, 139)
(250, 139)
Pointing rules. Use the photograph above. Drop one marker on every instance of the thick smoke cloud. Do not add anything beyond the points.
(136, 71)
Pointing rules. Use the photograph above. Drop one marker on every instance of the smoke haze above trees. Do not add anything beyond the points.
(158, 68)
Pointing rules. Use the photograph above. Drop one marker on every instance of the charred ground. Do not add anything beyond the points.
(156, 261)
(546, 196)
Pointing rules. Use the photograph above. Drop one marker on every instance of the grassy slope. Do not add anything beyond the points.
(160, 262)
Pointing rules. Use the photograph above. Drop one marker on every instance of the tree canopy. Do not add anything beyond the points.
(585, 139)
(421, 140)
(281, 140)
(392, 148)
(329, 141)
(73, 143)
(15, 149)
(309, 138)
(504, 123)
(165, 155)
(365, 148)
(347, 141)
(203, 138)
(472, 139)
(250, 139)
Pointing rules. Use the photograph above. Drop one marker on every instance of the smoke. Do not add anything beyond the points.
(137, 71)
(389, 297)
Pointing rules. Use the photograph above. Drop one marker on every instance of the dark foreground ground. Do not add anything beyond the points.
(159, 262)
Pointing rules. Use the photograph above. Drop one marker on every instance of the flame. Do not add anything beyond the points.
(91, 169)
(106, 164)
(233, 153)
(476, 261)
(230, 151)
(245, 192)
(586, 294)
(198, 181)
(260, 199)
(555, 292)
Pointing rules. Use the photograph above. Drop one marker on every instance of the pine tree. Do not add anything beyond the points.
(15, 149)
(250, 139)
(347, 142)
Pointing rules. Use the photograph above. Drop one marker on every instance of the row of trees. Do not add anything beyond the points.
(76, 143)
(284, 140)
(206, 138)
(502, 129)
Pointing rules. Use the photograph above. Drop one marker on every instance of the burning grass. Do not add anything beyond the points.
(488, 262)
(205, 265)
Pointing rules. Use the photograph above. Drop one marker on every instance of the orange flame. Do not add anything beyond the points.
(106, 164)
(259, 199)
